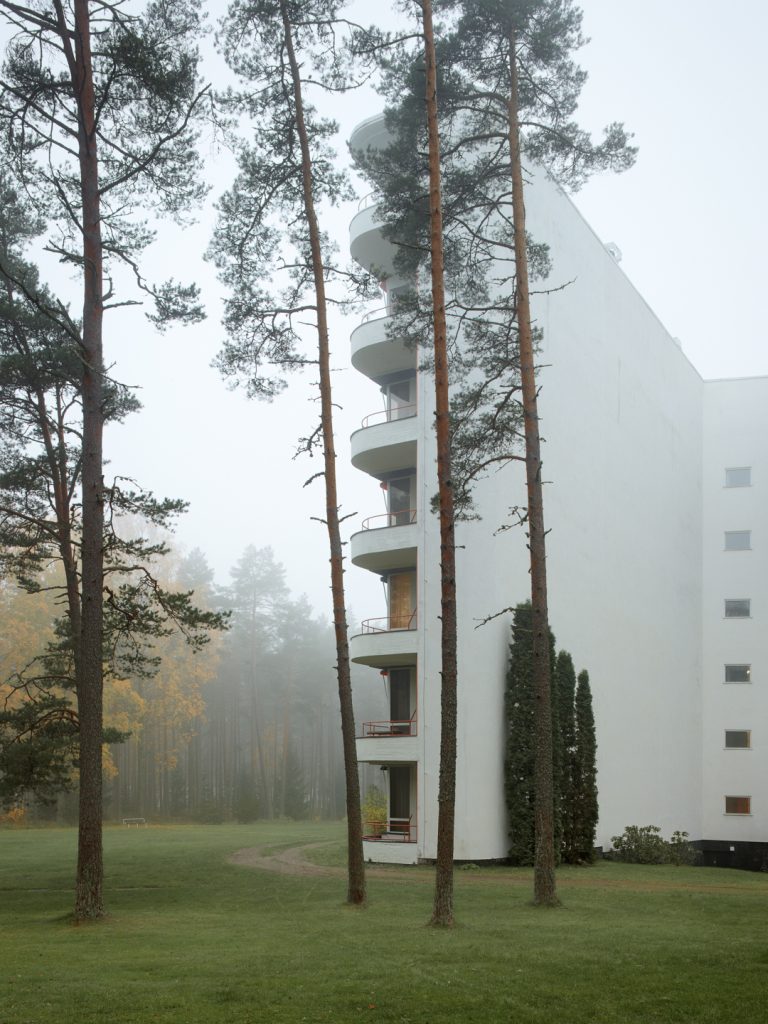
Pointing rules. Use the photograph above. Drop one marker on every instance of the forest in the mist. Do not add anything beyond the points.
(247, 728)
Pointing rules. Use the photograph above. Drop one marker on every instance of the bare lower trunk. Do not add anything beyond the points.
(90, 870)
(257, 749)
(355, 862)
(544, 891)
(442, 911)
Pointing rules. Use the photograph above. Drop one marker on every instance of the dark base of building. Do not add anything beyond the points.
(722, 853)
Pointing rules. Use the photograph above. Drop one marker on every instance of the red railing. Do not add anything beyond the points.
(403, 518)
(397, 412)
(392, 830)
(402, 727)
(389, 623)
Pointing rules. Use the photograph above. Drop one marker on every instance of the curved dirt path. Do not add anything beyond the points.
(292, 861)
(285, 862)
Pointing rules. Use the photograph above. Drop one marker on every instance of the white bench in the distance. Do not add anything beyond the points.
(135, 821)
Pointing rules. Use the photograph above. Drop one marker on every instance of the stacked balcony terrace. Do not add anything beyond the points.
(386, 448)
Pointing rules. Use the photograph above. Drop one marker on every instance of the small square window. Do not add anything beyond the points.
(738, 540)
(738, 673)
(739, 476)
(738, 739)
(737, 608)
(738, 805)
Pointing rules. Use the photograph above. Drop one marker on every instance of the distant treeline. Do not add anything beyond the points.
(248, 728)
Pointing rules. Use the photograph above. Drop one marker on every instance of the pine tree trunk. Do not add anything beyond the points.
(544, 890)
(355, 861)
(257, 748)
(88, 890)
(442, 911)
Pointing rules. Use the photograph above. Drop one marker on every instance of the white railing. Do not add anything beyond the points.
(366, 201)
(375, 314)
(402, 518)
(397, 412)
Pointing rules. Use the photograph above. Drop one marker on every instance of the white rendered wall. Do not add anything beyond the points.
(735, 432)
(621, 411)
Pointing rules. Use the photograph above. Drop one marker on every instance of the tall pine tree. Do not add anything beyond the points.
(509, 86)
(98, 110)
(278, 263)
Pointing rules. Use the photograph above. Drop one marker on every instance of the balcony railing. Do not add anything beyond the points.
(375, 314)
(367, 200)
(390, 830)
(389, 623)
(395, 412)
(403, 518)
(403, 727)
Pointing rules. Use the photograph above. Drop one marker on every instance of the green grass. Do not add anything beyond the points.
(193, 939)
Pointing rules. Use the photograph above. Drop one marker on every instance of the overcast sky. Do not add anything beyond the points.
(689, 219)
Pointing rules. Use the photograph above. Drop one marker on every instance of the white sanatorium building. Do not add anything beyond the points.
(657, 507)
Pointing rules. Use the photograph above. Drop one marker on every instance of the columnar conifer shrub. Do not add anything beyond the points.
(574, 749)
(583, 798)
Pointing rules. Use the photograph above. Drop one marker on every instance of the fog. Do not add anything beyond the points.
(688, 218)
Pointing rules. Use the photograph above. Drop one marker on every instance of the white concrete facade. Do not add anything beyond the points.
(637, 447)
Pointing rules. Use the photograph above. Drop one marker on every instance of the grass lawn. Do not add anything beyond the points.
(192, 939)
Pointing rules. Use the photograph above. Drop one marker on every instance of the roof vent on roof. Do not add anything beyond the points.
(614, 250)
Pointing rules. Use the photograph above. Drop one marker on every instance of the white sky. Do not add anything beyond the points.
(689, 219)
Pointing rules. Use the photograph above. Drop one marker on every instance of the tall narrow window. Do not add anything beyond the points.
(738, 540)
(738, 739)
(737, 608)
(738, 673)
(402, 714)
(738, 476)
(738, 805)
(401, 399)
(400, 806)
(402, 600)
(400, 495)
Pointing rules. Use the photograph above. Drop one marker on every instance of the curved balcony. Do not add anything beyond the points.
(386, 746)
(374, 353)
(385, 642)
(385, 542)
(371, 133)
(367, 245)
(390, 830)
(398, 412)
(385, 447)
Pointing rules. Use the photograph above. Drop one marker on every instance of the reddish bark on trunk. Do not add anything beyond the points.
(88, 652)
(544, 890)
(355, 861)
(442, 911)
